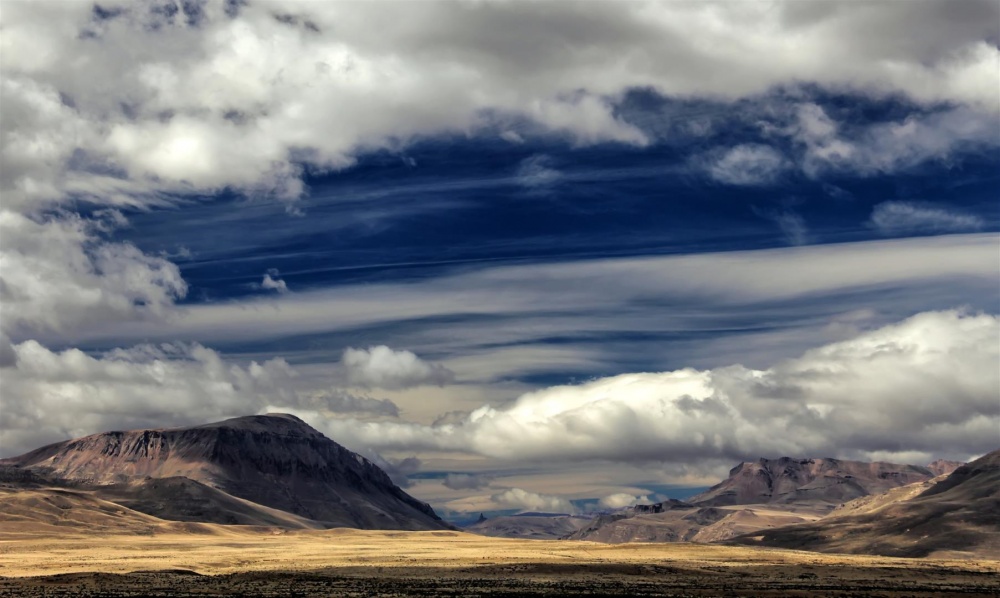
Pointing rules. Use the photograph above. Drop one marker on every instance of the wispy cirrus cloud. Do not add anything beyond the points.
(906, 217)
(747, 165)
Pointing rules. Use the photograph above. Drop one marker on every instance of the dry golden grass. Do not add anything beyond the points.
(222, 550)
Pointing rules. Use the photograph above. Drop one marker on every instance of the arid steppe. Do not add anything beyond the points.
(205, 559)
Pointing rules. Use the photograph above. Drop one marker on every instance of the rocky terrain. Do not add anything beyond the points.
(258, 470)
(954, 517)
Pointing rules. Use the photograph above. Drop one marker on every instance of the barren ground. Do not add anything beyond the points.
(212, 560)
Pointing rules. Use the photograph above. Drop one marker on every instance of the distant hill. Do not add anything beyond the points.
(957, 516)
(257, 470)
(538, 526)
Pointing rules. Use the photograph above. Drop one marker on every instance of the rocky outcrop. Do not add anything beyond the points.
(277, 461)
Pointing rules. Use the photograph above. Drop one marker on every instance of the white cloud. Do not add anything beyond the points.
(382, 367)
(748, 164)
(621, 500)
(273, 284)
(517, 498)
(903, 217)
(926, 384)
(552, 299)
(56, 395)
(128, 107)
(830, 146)
(56, 273)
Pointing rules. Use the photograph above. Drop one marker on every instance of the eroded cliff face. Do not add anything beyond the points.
(277, 461)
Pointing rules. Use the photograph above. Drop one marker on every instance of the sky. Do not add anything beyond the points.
(525, 255)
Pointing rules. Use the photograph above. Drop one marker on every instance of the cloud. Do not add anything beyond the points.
(398, 470)
(465, 481)
(537, 172)
(747, 165)
(517, 304)
(925, 384)
(621, 500)
(128, 107)
(57, 273)
(8, 357)
(827, 146)
(382, 367)
(902, 217)
(792, 225)
(341, 401)
(54, 395)
(517, 498)
(273, 284)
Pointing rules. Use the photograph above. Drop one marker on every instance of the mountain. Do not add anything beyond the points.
(537, 526)
(259, 470)
(683, 522)
(943, 467)
(829, 481)
(757, 495)
(957, 516)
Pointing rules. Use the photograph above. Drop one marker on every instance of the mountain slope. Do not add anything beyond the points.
(277, 461)
(958, 516)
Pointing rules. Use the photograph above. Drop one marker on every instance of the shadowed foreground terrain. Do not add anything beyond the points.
(215, 560)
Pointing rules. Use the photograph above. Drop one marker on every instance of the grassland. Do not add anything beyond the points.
(218, 560)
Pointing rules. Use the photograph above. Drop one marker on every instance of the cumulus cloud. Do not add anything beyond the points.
(382, 367)
(53, 395)
(467, 481)
(57, 272)
(828, 146)
(273, 284)
(129, 102)
(903, 217)
(928, 383)
(748, 164)
(621, 500)
(524, 500)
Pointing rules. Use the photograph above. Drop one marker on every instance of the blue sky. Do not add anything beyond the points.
(609, 252)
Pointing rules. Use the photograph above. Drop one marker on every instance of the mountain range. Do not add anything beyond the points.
(944, 509)
(278, 472)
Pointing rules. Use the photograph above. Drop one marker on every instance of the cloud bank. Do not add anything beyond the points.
(927, 385)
